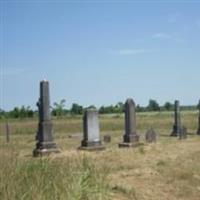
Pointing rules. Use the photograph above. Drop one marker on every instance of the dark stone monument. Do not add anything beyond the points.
(150, 136)
(130, 138)
(198, 131)
(44, 137)
(177, 120)
(107, 138)
(91, 137)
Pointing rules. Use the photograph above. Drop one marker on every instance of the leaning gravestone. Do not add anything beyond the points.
(150, 136)
(177, 119)
(91, 136)
(130, 138)
(198, 131)
(44, 137)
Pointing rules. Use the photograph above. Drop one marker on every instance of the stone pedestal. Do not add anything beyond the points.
(91, 137)
(177, 120)
(130, 138)
(44, 137)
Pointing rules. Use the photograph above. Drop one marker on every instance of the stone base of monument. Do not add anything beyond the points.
(174, 134)
(131, 140)
(130, 145)
(45, 148)
(175, 131)
(91, 146)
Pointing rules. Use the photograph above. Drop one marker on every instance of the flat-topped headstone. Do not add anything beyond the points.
(44, 137)
(198, 131)
(177, 119)
(130, 138)
(91, 134)
(150, 136)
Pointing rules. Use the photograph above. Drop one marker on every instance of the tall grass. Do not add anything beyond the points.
(158, 120)
(52, 179)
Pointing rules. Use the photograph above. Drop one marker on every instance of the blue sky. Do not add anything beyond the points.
(100, 52)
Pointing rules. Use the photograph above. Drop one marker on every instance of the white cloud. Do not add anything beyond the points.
(165, 36)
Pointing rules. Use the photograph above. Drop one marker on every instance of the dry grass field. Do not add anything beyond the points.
(167, 170)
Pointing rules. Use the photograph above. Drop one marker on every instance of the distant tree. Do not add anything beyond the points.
(168, 106)
(153, 105)
(2, 113)
(76, 109)
(139, 108)
(15, 113)
(58, 109)
(198, 105)
(102, 110)
(30, 112)
(23, 112)
(119, 107)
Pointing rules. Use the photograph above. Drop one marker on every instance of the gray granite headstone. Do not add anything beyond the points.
(150, 136)
(198, 131)
(91, 134)
(130, 138)
(177, 119)
(44, 137)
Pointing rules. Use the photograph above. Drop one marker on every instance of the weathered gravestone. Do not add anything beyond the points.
(150, 136)
(44, 137)
(177, 120)
(198, 131)
(130, 138)
(91, 136)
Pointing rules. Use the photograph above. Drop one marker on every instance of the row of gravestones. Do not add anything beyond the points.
(91, 137)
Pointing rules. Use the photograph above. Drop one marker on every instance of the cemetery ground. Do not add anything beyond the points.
(167, 170)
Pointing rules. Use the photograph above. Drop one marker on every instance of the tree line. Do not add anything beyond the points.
(58, 109)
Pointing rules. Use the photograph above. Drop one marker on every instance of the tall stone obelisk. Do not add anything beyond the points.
(44, 137)
(130, 138)
(177, 120)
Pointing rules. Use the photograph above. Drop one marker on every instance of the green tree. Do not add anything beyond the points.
(119, 107)
(58, 109)
(2, 113)
(15, 113)
(139, 108)
(76, 109)
(153, 105)
(168, 106)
